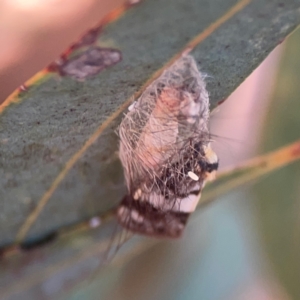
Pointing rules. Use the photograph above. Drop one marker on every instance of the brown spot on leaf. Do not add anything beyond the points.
(91, 36)
(91, 62)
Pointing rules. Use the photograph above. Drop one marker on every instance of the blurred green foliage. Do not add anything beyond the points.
(278, 196)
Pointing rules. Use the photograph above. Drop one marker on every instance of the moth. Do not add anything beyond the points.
(165, 150)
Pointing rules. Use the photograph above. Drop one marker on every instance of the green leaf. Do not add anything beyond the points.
(278, 195)
(58, 142)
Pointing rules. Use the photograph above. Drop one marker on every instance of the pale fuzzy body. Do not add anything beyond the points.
(163, 137)
(149, 132)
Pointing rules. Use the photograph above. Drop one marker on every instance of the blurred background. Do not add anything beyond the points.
(243, 246)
